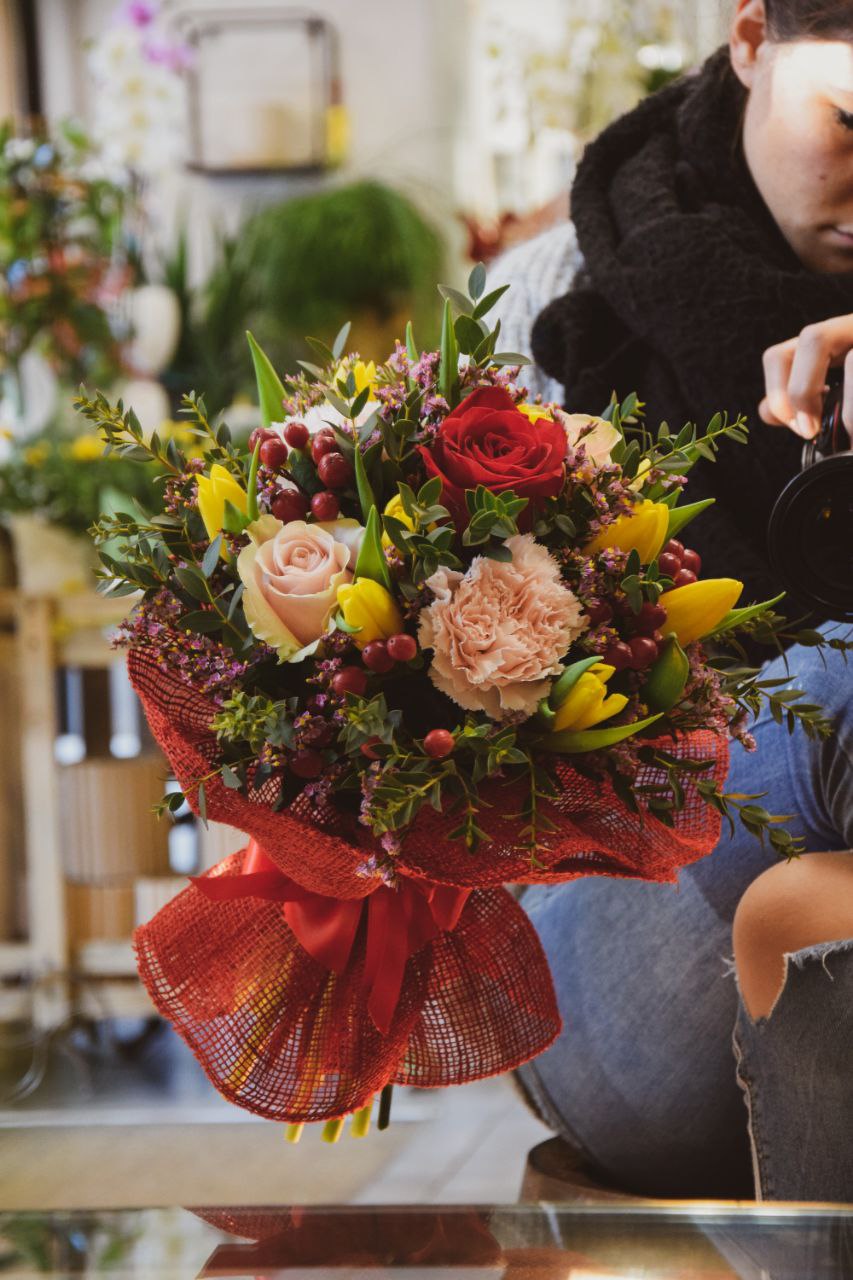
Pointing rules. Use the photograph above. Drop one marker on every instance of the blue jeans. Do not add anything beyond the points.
(643, 1079)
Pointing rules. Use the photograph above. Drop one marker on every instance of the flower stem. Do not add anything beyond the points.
(360, 1126)
(333, 1129)
(293, 1132)
(384, 1117)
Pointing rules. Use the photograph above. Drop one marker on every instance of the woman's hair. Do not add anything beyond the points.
(815, 19)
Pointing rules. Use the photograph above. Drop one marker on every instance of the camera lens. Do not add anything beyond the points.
(811, 537)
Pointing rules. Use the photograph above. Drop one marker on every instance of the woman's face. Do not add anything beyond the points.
(798, 138)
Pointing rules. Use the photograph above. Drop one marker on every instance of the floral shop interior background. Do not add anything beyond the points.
(170, 176)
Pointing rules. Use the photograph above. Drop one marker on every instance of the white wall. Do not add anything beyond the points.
(400, 72)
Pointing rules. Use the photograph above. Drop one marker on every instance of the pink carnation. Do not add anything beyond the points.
(500, 630)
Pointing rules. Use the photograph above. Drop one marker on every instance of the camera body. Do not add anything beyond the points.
(810, 537)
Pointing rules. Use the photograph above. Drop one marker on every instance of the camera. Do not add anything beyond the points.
(810, 537)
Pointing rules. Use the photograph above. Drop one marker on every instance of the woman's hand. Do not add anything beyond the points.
(795, 375)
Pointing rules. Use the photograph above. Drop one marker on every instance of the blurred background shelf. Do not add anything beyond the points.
(83, 858)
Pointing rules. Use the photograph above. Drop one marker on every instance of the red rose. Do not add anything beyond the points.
(487, 441)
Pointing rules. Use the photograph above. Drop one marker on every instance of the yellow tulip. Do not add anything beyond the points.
(644, 529)
(695, 610)
(365, 376)
(588, 702)
(367, 605)
(534, 412)
(213, 492)
(396, 509)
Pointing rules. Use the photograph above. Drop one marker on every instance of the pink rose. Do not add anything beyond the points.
(500, 630)
(291, 574)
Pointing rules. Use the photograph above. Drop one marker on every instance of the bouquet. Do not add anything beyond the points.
(422, 640)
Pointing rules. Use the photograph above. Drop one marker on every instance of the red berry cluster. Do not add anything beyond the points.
(680, 564)
(379, 656)
(333, 469)
(641, 648)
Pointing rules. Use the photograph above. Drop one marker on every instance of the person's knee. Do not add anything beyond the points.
(791, 906)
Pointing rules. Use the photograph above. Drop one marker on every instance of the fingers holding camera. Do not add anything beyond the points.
(795, 374)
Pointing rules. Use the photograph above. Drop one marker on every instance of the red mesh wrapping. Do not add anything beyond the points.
(283, 1036)
(596, 834)
(366, 1237)
(287, 1039)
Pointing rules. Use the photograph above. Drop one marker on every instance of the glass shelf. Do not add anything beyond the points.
(690, 1241)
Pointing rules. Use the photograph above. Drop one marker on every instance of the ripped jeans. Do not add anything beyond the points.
(643, 1079)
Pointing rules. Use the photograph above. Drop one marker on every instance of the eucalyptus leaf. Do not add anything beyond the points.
(477, 281)
(211, 556)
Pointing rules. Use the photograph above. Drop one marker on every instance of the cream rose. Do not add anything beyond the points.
(500, 630)
(291, 574)
(597, 436)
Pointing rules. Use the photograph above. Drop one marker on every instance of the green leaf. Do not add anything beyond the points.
(201, 802)
(252, 511)
(371, 562)
(681, 516)
(485, 305)
(233, 520)
(211, 556)
(321, 351)
(448, 369)
(193, 583)
(563, 685)
(230, 778)
(469, 334)
(477, 281)
(365, 493)
(411, 349)
(667, 678)
(576, 743)
(201, 622)
(341, 340)
(510, 357)
(271, 393)
(737, 617)
(235, 600)
(463, 305)
(359, 402)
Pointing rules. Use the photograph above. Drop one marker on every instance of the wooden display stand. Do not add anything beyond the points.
(80, 855)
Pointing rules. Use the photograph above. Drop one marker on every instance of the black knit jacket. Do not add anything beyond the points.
(686, 281)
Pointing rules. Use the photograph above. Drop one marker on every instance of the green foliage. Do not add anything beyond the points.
(60, 228)
(321, 259)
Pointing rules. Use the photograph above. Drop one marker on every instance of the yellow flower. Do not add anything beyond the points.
(367, 605)
(86, 448)
(213, 492)
(588, 703)
(396, 509)
(535, 411)
(365, 376)
(695, 610)
(644, 529)
(36, 455)
(640, 478)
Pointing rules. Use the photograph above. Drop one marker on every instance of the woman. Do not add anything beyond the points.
(710, 266)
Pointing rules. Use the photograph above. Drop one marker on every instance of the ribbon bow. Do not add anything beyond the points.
(399, 922)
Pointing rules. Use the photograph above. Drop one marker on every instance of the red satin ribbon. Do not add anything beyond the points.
(399, 922)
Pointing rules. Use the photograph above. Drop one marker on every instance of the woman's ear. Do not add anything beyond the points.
(748, 33)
